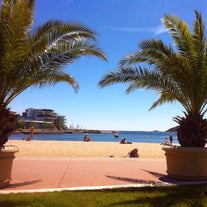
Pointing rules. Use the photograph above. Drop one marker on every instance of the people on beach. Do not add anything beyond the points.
(86, 138)
(123, 141)
(165, 141)
(133, 153)
(171, 139)
(31, 134)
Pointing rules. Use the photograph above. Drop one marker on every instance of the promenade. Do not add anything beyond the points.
(44, 174)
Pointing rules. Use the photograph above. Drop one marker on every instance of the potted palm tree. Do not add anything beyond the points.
(178, 72)
(34, 57)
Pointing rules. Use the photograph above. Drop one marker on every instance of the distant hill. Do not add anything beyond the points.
(173, 129)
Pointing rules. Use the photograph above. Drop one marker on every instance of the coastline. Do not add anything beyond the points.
(64, 149)
(70, 131)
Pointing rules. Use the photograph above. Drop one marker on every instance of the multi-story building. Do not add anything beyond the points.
(43, 118)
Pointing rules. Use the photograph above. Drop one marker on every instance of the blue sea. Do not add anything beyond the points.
(131, 136)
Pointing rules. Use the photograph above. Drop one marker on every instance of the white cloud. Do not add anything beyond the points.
(160, 29)
(129, 29)
(156, 30)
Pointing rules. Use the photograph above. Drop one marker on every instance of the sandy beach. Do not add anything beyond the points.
(63, 149)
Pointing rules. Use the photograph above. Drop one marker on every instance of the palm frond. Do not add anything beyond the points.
(177, 72)
(123, 75)
(164, 97)
(199, 43)
(37, 57)
(151, 52)
(180, 33)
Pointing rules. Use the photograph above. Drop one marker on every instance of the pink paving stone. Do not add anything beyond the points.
(78, 172)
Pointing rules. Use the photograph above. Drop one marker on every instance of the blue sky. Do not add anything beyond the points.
(120, 25)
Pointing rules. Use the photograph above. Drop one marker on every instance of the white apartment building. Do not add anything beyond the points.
(44, 115)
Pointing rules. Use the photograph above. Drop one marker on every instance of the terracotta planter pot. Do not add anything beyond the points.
(6, 161)
(187, 163)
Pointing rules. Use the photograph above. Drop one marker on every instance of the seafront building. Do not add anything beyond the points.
(41, 119)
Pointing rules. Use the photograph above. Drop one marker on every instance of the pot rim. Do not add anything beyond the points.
(187, 149)
(9, 148)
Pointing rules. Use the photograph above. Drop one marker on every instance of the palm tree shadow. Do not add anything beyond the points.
(163, 179)
(137, 181)
(166, 179)
(15, 185)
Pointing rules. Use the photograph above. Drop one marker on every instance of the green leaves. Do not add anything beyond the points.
(37, 57)
(176, 72)
(8, 124)
(192, 130)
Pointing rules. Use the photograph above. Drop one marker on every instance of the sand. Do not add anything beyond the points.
(63, 149)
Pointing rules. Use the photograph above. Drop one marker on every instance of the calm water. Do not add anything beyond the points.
(131, 136)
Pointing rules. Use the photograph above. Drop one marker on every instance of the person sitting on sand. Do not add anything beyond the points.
(123, 140)
(133, 153)
(165, 141)
(86, 138)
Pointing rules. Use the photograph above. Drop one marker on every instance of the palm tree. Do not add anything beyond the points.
(178, 72)
(36, 57)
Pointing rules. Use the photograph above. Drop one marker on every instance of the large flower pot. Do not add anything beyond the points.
(187, 163)
(6, 161)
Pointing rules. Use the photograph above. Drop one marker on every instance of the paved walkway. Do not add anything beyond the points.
(86, 173)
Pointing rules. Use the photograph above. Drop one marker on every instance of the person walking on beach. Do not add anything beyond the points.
(171, 139)
(31, 134)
